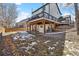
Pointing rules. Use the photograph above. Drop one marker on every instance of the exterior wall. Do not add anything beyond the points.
(47, 8)
(40, 28)
(54, 10)
(37, 12)
(50, 8)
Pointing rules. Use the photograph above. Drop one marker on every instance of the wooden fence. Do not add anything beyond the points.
(2, 30)
(15, 29)
(0, 37)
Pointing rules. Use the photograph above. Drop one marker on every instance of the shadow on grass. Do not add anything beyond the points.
(57, 41)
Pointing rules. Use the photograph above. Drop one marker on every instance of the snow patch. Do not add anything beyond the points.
(51, 48)
(47, 41)
(33, 43)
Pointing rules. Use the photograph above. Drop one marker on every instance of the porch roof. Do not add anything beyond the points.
(40, 19)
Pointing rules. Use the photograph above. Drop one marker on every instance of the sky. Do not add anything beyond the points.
(25, 10)
(67, 10)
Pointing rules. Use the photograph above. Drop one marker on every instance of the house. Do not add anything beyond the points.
(44, 19)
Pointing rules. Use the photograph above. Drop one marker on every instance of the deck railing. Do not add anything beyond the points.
(42, 14)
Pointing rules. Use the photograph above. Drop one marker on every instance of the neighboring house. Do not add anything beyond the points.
(67, 19)
(22, 23)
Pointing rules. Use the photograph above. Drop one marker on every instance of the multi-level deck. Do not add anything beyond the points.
(44, 19)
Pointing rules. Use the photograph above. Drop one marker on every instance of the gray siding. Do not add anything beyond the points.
(39, 11)
(50, 8)
(47, 8)
(54, 10)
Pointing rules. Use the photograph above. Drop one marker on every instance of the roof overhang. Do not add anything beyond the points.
(40, 19)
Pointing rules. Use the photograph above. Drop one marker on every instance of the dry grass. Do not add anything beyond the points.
(72, 43)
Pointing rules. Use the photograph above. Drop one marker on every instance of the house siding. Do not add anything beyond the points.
(51, 8)
(37, 12)
(54, 10)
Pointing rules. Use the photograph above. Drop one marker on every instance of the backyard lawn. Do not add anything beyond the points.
(32, 45)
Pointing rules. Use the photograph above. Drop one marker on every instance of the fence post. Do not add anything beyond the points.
(1, 37)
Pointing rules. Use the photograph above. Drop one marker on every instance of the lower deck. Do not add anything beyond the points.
(44, 25)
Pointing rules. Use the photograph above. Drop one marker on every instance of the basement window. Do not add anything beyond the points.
(41, 26)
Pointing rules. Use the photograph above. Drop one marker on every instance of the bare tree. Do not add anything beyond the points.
(77, 17)
(8, 14)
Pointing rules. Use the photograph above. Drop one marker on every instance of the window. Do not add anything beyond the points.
(41, 26)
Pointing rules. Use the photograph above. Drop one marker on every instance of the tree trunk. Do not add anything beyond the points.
(77, 17)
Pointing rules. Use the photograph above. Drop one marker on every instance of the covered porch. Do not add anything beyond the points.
(42, 25)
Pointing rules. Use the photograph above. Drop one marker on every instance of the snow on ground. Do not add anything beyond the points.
(23, 35)
(40, 45)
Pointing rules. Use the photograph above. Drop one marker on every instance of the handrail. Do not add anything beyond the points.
(52, 17)
(42, 14)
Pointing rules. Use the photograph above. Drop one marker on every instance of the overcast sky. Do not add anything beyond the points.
(25, 10)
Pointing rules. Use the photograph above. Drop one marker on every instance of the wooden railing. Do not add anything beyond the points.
(42, 14)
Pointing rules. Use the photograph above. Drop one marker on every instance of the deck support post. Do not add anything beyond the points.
(30, 27)
(44, 26)
(54, 26)
(50, 26)
(36, 28)
(27, 27)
